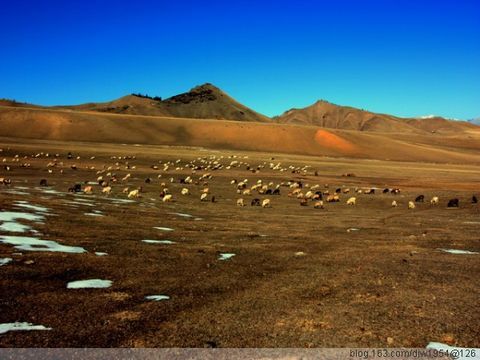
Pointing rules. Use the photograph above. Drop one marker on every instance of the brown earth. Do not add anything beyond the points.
(328, 115)
(90, 126)
(300, 277)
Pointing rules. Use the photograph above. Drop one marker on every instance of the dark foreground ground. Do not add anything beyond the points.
(363, 276)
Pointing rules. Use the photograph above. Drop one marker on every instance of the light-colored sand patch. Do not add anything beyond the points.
(330, 140)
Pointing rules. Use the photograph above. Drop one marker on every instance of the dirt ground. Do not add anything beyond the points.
(346, 276)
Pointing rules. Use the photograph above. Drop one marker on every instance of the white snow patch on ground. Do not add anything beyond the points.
(20, 326)
(459, 252)
(89, 284)
(157, 297)
(5, 261)
(35, 244)
(226, 256)
(159, 242)
(163, 228)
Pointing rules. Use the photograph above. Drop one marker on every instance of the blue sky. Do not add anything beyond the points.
(406, 58)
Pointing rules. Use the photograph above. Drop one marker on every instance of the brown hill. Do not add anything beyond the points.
(202, 102)
(67, 125)
(333, 116)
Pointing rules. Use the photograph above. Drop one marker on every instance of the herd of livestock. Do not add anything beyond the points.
(200, 172)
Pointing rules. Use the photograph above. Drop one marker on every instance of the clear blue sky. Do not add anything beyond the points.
(406, 58)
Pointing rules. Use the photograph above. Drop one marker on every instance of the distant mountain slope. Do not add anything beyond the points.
(333, 116)
(202, 102)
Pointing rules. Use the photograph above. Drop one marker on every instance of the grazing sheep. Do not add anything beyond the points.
(474, 199)
(134, 194)
(276, 191)
(434, 200)
(240, 202)
(303, 202)
(386, 191)
(420, 198)
(369, 191)
(107, 190)
(75, 188)
(318, 205)
(255, 202)
(203, 197)
(167, 198)
(88, 190)
(125, 190)
(395, 191)
(453, 203)
(333, 198)
(185, 191)
(266, 203)
(43, 182)
(352, 201)
(394, 203)
(411, 205)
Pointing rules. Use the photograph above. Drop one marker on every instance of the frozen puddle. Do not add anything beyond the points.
(5, 261)
(89, 284)
(35, 244)
(20, 326)
(226, 256)
(159, 242)
(27, 205)
(157, 297)
(459, 252)
(456, 352)
(99, 253)
(163, 228)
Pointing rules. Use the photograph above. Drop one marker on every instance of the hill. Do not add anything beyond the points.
(202, 102)
(328, 115)
(89, 126)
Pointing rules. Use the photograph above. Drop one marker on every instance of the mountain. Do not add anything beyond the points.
(328, 115)
(475, 121)
(202, 102)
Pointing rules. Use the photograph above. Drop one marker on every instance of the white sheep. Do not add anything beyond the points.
(107, 190)
(203, 197)
(134, 194)
(411, 205)
(185, 191)
(167, 198)
(352, 201)
(240, 202)
(318, 205)
(394, 203)
(266, 203)
(434, 200)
